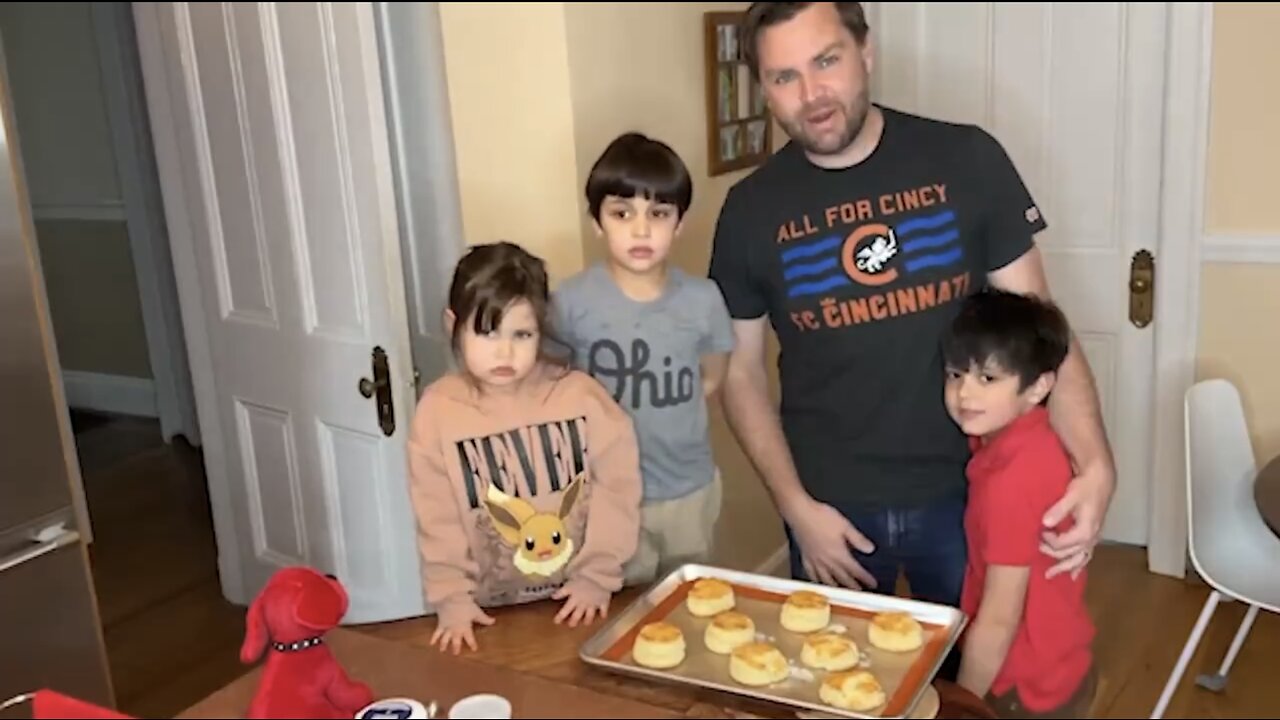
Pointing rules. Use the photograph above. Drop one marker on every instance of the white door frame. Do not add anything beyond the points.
(1177, 284)
(140, 192)
(1176, 245)
(424, 165)
(177, 207)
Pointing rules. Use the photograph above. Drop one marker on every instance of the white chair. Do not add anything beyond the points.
(1231, 547)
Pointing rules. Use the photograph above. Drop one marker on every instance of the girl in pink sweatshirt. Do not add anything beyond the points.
(524, 473)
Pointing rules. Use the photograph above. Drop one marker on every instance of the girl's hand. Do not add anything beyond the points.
(454, 626)
(585, 599)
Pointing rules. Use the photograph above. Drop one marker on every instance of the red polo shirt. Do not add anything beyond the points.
(1013, 480)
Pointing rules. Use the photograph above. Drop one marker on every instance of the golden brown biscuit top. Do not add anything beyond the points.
(808, 600)
(759, 655)
(660, 632)
(829, 645)
(895, 622)
(852, 681)
(710, 589)
(732, 620)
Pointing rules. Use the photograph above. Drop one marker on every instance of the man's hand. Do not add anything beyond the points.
(1086, 501)
(824, 537)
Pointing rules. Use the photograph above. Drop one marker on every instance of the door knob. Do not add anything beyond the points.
(367, 386)
(380, 387)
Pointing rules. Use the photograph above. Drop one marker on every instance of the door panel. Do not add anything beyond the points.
(282, 146)
(1074, 93)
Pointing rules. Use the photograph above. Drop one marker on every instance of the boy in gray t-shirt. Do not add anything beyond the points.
(658, 339)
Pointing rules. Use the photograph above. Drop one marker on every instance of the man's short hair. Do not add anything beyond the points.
(1022, 334)
(762, 15)
(635, 165)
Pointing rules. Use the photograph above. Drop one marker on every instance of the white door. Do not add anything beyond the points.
(1075, 95)
(272, 146)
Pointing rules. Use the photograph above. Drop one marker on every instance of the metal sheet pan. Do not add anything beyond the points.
(904, 676)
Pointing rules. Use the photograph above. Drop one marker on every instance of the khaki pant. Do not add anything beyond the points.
(675, 532)
(1078, 705)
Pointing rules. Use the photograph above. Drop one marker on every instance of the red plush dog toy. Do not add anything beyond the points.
(301, 678)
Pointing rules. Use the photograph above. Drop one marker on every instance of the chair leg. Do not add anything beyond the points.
(1188, 650)
(1218, 681)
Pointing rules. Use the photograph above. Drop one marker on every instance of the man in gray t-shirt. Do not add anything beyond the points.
(658, 339)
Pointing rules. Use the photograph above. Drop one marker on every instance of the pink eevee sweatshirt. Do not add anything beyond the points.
(517, 494)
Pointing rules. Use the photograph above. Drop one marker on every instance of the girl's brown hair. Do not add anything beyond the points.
(488, 279)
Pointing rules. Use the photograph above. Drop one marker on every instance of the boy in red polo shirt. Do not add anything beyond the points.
(1028, 646)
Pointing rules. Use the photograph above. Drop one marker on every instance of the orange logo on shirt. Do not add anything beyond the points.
(872, 257)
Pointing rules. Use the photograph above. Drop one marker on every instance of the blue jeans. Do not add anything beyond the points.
(926, 542)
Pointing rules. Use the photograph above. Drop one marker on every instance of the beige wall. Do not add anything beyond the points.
(1244, 152)
(508, 73)
(1244, 148)
(536, 93)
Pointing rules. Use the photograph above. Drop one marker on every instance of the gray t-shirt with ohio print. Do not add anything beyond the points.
(647, 354)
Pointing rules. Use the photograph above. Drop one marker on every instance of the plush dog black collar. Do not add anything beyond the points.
(296, 646)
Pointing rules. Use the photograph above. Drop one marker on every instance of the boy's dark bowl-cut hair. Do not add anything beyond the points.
(634, 165)
(1022, 334)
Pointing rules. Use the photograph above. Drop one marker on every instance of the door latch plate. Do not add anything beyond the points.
(1142, 280)
(379, 388)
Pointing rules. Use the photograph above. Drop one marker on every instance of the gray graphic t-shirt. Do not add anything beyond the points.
(647, 354)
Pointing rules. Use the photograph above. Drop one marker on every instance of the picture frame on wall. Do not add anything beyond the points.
(739, 127)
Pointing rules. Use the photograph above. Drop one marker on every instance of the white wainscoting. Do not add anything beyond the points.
(1240, 248)
(117, 394)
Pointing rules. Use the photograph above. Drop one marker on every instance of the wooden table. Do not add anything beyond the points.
(1266, 492)
(525, 640)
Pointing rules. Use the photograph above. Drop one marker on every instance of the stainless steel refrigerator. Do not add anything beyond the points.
(50, 633)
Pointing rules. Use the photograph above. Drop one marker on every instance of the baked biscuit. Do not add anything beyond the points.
(828, 651)
(756, 664)
(856, 690)
(659, 645)
(895, 631)
(728, 630)
(710, 596)
(805, 612)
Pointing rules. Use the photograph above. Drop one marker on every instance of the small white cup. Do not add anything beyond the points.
(481, 707)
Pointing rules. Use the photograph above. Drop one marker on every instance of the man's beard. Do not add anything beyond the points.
(855, 115)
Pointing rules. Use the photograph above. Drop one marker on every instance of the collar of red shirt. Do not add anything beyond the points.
(1005, 441)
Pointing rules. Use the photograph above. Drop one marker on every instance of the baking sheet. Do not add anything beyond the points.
(904, 676)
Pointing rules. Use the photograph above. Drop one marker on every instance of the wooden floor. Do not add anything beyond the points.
(173, 639)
